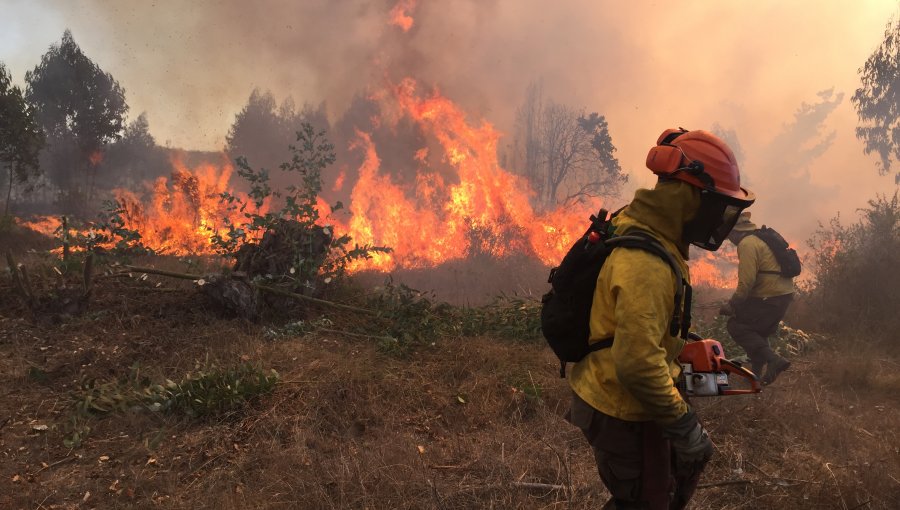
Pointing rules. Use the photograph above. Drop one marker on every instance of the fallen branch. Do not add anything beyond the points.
(541, 486)
(259, 286)
(67, 458)
(161, 272)
(280, 292)
(725, 482)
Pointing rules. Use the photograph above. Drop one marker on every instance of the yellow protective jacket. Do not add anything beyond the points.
(633, 302)
(754, 255)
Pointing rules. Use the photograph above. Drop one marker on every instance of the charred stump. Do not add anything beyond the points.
(233, 293)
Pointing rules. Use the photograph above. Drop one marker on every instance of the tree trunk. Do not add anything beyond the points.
(9, 190)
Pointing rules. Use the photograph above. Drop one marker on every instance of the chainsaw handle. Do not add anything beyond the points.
(733, 368)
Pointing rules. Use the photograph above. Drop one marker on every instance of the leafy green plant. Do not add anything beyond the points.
(311, 155)
(208, 390)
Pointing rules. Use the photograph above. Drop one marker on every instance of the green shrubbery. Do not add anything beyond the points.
(856, 288)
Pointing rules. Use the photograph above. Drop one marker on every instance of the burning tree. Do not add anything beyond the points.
(80, 107)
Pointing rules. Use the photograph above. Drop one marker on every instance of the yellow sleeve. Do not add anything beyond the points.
(748, 269)
(643, 290)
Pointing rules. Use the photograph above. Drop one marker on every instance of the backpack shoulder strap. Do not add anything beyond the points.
(681, 321)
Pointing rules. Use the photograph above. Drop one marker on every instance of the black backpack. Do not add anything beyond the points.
(566, 308)
(787, 257)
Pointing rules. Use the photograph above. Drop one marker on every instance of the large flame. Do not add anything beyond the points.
(475, 208)
(487, 211)
(400, 14)
(182, 213)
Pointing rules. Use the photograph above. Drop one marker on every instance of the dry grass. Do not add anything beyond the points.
(451, 426)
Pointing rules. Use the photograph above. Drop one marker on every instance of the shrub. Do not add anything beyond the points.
(854, 289)
(299, 206)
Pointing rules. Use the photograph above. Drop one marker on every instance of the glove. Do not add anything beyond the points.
(690, 444)
(726, 310)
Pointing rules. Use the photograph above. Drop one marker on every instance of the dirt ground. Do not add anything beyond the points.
(462, 423)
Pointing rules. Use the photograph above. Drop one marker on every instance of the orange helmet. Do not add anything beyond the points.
(699, 158)
(705, 161)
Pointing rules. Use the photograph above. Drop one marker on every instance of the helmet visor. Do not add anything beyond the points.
(715, 218)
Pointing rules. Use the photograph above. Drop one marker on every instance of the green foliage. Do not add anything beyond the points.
(21, 139)
(311, 155)
(296, 329)
(81, 109)
(416, 318)
(786, 341)
(209, 390)
(856, 279)
(73, 97)
(877, 101)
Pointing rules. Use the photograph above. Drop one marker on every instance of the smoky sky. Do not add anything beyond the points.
(749, 67)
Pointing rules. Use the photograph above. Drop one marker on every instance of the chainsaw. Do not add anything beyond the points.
(705, 370)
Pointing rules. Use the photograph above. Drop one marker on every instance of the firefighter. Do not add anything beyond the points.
(648, 443)
(760, 301)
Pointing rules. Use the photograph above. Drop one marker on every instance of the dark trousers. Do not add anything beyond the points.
(754, 321)
(634, 461)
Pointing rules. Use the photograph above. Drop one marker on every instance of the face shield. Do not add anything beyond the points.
(715, 218)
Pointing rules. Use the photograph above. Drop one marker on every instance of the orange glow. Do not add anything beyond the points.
(182, 212)
(478, 209)
(400, 14)
(95, 158)
(178, 215)
(715, 269)
(486, 211)
(339, 181)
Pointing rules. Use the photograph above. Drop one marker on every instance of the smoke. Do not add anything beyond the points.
(645, 67)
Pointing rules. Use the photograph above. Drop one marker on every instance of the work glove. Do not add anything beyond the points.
(726, 310)
(690, 444)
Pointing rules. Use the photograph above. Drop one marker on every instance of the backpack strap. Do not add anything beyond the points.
(599, 345)
(681, 318)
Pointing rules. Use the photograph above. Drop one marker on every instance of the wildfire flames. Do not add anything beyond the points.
(400, 14)
(479, 209)
(485, 209)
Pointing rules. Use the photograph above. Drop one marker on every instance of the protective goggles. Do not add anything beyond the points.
(715, 219)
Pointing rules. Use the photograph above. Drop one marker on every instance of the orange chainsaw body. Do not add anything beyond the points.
(705, 370)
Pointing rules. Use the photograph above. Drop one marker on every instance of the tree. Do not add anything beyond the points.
(20, 137)
(135, 157)
(877, 102)
(80, 107)
(567, 155)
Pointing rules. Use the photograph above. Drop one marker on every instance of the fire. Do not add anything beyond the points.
(715, 269)
(399, 14)
(95, 158)
(182, 213)
(472, 206)
(487, 211)
(178, 215)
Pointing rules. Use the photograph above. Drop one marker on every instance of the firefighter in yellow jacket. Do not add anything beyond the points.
(648, 443)
(760, 301)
